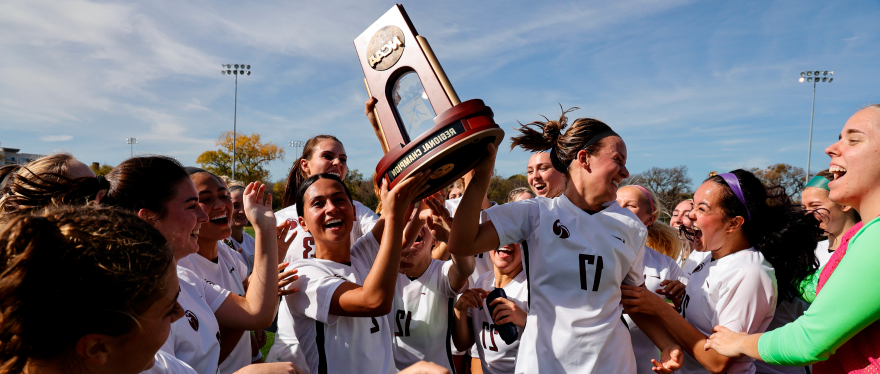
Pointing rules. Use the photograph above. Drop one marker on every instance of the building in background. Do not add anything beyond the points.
(10, 156)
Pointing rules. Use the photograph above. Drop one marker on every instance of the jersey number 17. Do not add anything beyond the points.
(585, 260)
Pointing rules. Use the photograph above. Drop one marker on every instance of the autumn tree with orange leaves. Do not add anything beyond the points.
(251, 157)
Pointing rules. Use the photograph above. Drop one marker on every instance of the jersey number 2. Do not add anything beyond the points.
(407, 317)
(585, 260)
(308, 242)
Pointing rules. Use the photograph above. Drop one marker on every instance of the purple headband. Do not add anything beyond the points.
(733, 182)
(648, 194)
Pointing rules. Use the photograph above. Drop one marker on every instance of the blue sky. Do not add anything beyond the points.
(712, 85)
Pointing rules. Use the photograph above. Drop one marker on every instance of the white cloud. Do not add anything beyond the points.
(56, 138)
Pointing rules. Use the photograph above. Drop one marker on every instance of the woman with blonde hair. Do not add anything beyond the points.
(663, 276)
(54, 179)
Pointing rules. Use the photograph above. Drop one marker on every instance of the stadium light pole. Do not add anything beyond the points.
(236, 70)
(813, 77)
(297, 144)
(131, 142)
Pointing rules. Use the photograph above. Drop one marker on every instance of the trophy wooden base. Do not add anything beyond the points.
(453, 147)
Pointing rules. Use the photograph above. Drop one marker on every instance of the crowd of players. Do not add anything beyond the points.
(148, 269)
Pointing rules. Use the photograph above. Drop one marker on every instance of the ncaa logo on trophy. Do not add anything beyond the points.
(421, 122)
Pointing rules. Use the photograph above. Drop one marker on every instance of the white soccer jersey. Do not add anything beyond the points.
(195, 338)
(338, 344)
(575, 263)
(304, 245)
(286, 347)
(246, 249)
(496, 356)
(165, 363)
(823, 253)
(694, 260)
(737, 291)
(228, 272)
(658, 267)
(420, 317)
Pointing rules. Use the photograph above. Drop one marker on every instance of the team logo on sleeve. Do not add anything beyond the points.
(699, 267)
(193, 320)
(560, 230)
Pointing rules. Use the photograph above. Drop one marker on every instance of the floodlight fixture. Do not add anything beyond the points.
(239, 70)
(814, 78)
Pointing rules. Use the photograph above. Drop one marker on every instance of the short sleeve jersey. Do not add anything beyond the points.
(165, 363)
(229, 271)
(195, 338)
(658, 267)
(496, 356)
(420, 317)
(737, 291)
(303, 246)
(246, 249)
(338, 344)
(575, 263)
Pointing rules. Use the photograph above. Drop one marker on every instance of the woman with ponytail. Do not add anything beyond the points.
(321, 154)
(577, 250)
(840, 332)
(761, 246)
(663, 276)
(835, 219)
(113, 277)
(51, 180)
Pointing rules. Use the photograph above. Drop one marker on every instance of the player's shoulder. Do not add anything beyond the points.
(747, 264)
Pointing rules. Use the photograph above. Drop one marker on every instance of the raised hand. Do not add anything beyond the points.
(257, 209)
(671, 360)
(486, 166)
(281, 236)
(285, 278)
(397, 200)
(437, 218)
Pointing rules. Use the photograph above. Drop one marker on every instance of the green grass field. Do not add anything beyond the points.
(249, 230)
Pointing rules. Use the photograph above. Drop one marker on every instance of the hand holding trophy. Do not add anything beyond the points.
(410, 86)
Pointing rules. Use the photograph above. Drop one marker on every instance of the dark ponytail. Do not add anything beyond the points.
(585, 133)
(782, 230)
(147, 182)
(297, 175)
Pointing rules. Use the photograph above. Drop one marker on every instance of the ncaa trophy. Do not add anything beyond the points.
(424, 126)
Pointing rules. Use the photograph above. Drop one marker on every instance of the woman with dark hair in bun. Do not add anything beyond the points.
(761, 248)
(577, 250)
